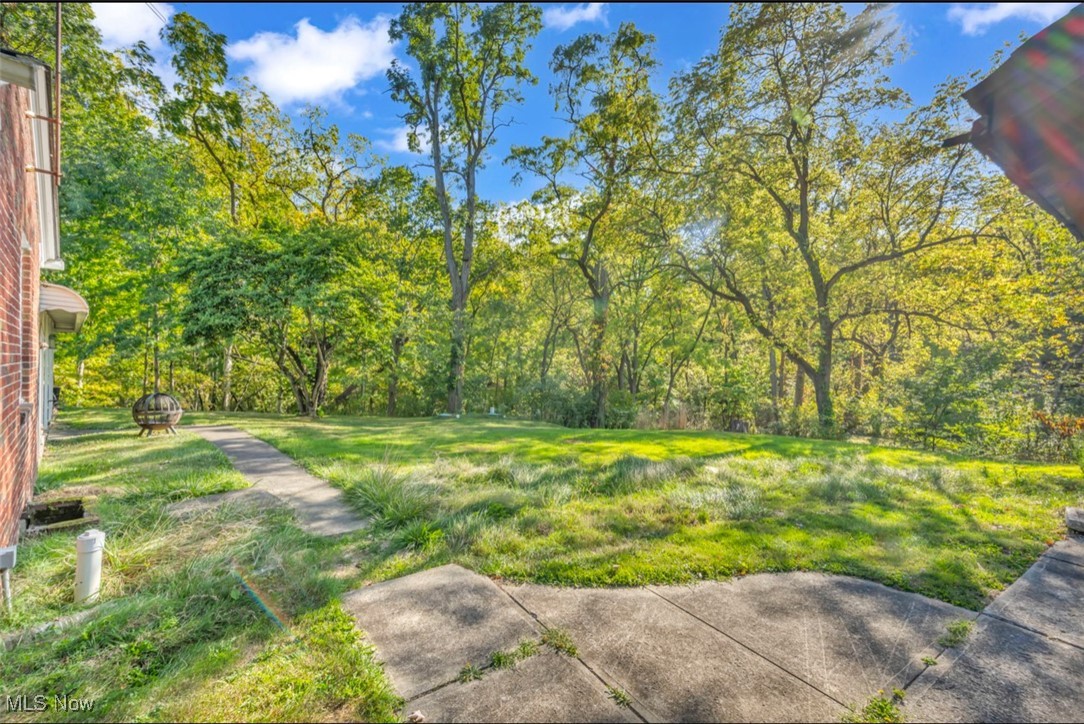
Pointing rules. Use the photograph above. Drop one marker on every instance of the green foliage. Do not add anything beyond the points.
(943, 399)
(298, 295)
(526, 649)
(469, 673)
(559, 641)
(763, 249)
(470, 68)
(879, 709)
(502, 660)
(620, 696)
(198, 111)
(957, 634)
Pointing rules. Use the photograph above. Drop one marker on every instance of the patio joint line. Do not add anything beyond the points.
(1055, 557)
(445, 685)
(748, 648)
(1029, 629)
(578, 658)
(937, 657)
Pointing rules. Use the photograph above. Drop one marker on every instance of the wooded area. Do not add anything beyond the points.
(777, 243)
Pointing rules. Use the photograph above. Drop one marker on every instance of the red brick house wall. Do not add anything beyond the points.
(19, 288)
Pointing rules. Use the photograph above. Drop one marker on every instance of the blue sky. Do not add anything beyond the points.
(335, 55)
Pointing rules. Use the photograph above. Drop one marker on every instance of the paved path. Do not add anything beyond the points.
(1025, 659)
(769, 647)
(320, 508)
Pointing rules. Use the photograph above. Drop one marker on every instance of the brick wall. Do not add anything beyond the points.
(19, 276)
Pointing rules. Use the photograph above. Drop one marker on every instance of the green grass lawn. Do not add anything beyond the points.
(549, 504)
(177, 637)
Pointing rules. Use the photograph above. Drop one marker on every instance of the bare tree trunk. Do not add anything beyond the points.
(822, 382)
(822, 393)
(455, 362)
(393, 394)
(227, 376)
(773, 376)
(598, 362)
(673, 373)
(233, 205)
(319, 386)
(397, 343)
(782, 377)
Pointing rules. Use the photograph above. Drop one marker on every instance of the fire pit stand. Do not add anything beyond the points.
(157, 412)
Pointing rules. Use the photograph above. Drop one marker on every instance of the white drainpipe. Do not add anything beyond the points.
(7, 562)
(88, 565)
(7, 588)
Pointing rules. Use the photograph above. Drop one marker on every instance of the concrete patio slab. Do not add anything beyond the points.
(845, 636)
(428, 625)
(1074, 519)
(320, 508)
(1070, 550)
(679, 668)
(548, 687)
(1047, 598)
(1002, 673)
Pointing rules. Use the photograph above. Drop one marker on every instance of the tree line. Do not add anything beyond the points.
(777, 241)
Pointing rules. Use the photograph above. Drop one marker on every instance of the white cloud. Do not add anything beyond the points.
(564, 17)
(123, 24)
(975, 19)
(312, 64)
(398, 141)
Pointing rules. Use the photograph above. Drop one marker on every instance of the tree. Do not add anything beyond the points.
(603, 93)
(804, 201)
(300, 297)
(470, 66)
(199, 110)
(405, 206)
(121, 223)
(319, 172)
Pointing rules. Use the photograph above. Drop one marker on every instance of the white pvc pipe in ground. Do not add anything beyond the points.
(5, 580)
(88, 565)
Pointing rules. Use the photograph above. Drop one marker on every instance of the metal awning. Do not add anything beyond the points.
(1032, 119)
(64, 306)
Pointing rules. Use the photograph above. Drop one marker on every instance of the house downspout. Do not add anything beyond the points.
(56, 92)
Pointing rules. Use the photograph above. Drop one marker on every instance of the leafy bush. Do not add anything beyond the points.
(943, 400)
(621, 410)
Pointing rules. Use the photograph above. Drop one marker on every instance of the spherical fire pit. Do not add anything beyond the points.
(157, 411)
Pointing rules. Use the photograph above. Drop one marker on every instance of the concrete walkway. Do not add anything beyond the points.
(320, 508)
(769, 647)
